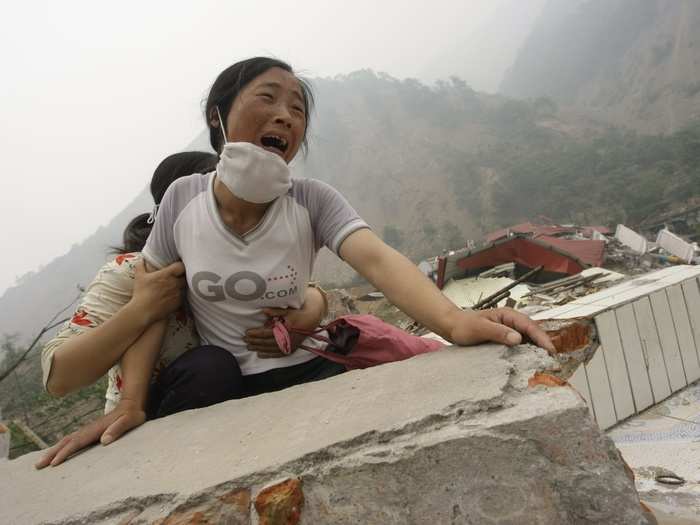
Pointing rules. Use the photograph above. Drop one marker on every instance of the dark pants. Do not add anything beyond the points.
(208, 375)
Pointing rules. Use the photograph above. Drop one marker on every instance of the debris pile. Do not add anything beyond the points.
(534, 267)
(550, 265)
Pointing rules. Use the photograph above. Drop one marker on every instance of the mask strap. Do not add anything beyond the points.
(152, 217)
(221, 124)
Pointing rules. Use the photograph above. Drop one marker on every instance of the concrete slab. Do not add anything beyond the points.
(455, 436)
(675, 245)
(631, 239)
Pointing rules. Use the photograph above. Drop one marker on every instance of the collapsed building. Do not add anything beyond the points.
(641, 298)
(463, 435)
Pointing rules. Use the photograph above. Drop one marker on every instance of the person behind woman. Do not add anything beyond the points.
(105, 317)
(120, 304)
(248, 235)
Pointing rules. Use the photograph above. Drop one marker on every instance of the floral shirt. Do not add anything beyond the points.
(109, 291)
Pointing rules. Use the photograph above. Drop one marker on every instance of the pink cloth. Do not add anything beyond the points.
(376, 343)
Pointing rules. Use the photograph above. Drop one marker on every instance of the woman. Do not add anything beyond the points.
(247, 233)
(248, 236)
(104, 334)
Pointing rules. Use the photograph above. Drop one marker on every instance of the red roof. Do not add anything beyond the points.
(589, 252)
(554, 254)
(527, 252)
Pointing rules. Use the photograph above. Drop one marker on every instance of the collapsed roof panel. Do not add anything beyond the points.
(590, 252)
(525, 253)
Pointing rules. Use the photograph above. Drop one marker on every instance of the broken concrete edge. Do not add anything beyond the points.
(288, 496)
(181, 506)
(575, 342)
(276, 493)
(570, 335)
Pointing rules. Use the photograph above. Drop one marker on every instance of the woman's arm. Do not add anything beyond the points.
(407, 288)
(83, 359)
(136, 366)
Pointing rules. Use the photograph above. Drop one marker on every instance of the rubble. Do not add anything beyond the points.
(683, 220)
(340, 303)
(467, 293)
(497, 272)
(463, 435)
(677, 246)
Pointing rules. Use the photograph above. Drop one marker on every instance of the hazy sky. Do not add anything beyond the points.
(94, 94)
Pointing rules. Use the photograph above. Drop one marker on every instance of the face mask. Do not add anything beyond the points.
(252, 173)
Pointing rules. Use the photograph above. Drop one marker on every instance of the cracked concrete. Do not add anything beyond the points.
(450, 437)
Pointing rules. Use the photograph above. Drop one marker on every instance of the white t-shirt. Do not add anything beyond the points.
(231, 278)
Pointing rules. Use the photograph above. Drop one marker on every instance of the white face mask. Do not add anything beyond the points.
(252, 173)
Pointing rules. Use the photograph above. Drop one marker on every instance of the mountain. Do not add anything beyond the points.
(429, 168)
(480, 56)
(625, 62)
(38, 296)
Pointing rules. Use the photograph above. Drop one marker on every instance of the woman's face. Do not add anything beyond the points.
(269, 112)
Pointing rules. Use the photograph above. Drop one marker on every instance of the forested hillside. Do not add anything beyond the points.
(616, 177)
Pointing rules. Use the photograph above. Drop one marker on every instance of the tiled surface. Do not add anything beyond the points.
(634, 357)
(667, 338)
(615, 364)
(649, 348)
(620, 294)
(601, 395)
(684, 332)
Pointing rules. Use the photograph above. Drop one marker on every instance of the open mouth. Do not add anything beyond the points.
(274, 143)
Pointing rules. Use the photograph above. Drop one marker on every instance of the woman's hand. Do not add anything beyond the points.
(499, 325)
(108, 428)
(157, 294)
(308, 317)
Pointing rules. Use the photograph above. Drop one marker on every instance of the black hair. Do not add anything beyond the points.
(135, 234)
(178, 165)
(229, 84)
(168, 171)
